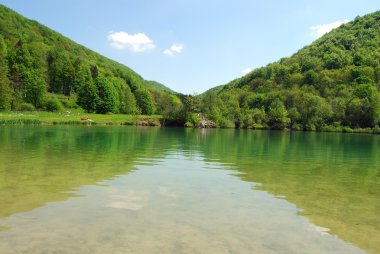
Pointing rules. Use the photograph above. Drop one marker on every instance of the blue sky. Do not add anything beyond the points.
(192, 45)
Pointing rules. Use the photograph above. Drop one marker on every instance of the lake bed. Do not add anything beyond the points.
(118, 189)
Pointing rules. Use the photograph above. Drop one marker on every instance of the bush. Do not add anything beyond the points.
(68, 101)
(225, 123)
(194, 119)
(297, 127)
(347, 129)
(258, 126)
(331, 128)
(27, 107)
(53, 104)
(376, 129)
(189, 124)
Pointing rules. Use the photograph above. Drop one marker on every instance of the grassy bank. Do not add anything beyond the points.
(80, 118)
(73, 118)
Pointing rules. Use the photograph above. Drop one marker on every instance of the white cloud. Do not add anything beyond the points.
(175, 49)
(135, 42)
(246, 71)
(320, 30)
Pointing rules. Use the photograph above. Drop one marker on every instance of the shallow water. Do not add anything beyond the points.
(167, 190)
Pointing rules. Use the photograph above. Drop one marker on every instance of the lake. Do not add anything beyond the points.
(117, 189)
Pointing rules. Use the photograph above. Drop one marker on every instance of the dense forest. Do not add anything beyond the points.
(332, 84)
(42, 70)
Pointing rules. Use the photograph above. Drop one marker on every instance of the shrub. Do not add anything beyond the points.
(27, 107)
(347, 129)
(53, 104)
(376, 129)
(225, 123)
(189, 124)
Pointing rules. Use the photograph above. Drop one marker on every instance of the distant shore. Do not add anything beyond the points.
(79, 118)
(76, 118)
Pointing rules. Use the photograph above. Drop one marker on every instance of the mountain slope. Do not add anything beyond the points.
(331, 83)
(160, 86)
(43, 69)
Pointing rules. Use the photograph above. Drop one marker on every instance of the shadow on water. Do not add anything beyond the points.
(334, 179)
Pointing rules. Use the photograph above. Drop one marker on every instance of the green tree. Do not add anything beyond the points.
(336, 60)
(278, 115)
(259, 117)
(127, 101)
(106, 94)
(88, 95)
(5, 89)
(314, 110)
(35, 88)
(28, 81)
(20, 63)
(145, 101)
(311, 78)
(61, 72)
(170, 105)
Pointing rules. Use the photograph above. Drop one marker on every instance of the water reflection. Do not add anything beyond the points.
(150, 190)
(177, 206)
(333, 178)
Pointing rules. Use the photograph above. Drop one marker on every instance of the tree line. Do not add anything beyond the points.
(331, 84)
(43, 70)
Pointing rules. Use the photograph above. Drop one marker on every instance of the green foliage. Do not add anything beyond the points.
(5, 92)
(160, 86)
(5, 89)
(126, 99)
(26, 107)
(145, 102)
(107, 101)
(332, 84)
(193, 120)
(334, 80)
(311, 78)
(35, 60)
(52, 104)
(35, 88)
(88, 96)
(191, 103)
(68, 102)
(278, 115)
(259, 116)
(170, 106)
(61, 72)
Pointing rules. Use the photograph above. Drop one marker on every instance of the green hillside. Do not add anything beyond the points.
(160, 86)
(41, 69)
(332, 84)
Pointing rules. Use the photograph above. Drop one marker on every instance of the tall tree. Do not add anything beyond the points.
(35, 88)
(126, 99)
(87, 92)
(145, 102)
(28, 81)
(5, 89)
(106, 94)
(278, 115)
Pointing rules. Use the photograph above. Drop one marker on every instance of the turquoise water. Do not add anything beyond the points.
(77, 189)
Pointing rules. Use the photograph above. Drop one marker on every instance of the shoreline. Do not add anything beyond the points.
(42, 118)
(76, 118)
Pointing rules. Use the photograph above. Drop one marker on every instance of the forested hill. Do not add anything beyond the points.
(160, 86)
(40, 68)
(331, 83)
